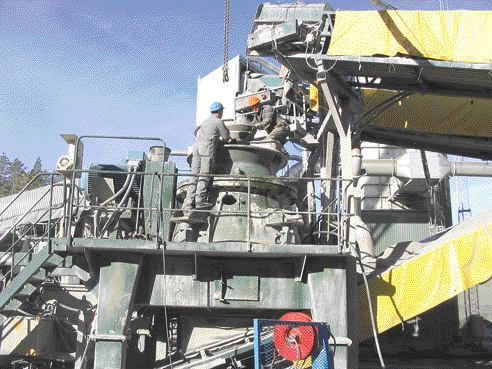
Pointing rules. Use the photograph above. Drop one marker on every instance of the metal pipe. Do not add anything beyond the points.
(380, 167)
(471, 169)
(178, 153)
(390, 167)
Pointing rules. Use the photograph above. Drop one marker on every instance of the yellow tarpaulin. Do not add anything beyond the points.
(458, 35)
(445, 115)
(455, 262)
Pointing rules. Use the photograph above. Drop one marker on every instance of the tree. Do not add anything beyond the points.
(17, 175)
(38, 169)
(4, 175)
(14, 175)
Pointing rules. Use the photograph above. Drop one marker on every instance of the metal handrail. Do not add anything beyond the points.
(39, 219)
(14, 263)
(50, 209)
(248, 212)
(75, 171)
(225, 176)
(21, 192)
(11, 248)
(237, 212)
(341, 214)
(27, 253)
(27, 212)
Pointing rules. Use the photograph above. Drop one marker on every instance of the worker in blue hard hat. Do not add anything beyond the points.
(208, 135)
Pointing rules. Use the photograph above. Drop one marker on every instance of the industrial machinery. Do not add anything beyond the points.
(103, 269)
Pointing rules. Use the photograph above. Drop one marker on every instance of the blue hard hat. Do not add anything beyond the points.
(216, 106)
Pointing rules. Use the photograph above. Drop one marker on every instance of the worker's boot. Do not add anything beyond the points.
(203, 205)
(186, 207)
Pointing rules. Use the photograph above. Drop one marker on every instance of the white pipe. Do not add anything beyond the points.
(363, 237)
(471, 169)
(390, 167)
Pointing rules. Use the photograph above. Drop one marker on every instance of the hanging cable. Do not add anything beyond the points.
(371, 312)
(225, 67)
(166, 319)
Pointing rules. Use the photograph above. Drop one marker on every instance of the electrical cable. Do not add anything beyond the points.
(88, 338)
(371, 312)
(334, 343)
(120, 205)
(121, 190)
(166, 321)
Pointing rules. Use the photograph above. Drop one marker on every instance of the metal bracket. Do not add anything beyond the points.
(88, 258)
(340, 341)
(108, 337)
(61, 245)
(303, 269)
(220, 295)
(336, 82)
(194, 276)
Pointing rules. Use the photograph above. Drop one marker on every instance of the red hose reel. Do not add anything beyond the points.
(294, 342)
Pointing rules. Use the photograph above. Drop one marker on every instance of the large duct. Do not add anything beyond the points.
(439, 167)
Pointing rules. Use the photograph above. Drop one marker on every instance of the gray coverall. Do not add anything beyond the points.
(204, 150)
(276, 127)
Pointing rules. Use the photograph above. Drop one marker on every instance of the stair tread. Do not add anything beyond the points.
(29, 276)
(26, 291)
(13, 304)
(11, 313)
(37, 278)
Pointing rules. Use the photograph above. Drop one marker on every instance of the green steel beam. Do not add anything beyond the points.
(159, 224)
(117, 285)
(332, 291)
(189, 248)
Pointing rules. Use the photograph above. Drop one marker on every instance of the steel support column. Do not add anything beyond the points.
(339, 310)
(341, 111)
(329, 163)
(117, 285)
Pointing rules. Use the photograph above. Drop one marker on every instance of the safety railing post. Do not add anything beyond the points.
(12, 253)
(339, 216)
(248, 220)
(64, 207)
(160, 214)
(50, 208)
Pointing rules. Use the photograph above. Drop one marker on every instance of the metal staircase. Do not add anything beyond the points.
(22, 272)
(22, 286)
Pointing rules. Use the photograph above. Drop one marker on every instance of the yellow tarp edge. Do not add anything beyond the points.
(427, 280)
(457, 35)
(434, 114)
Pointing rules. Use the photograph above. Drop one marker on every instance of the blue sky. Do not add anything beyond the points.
(118, 67)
